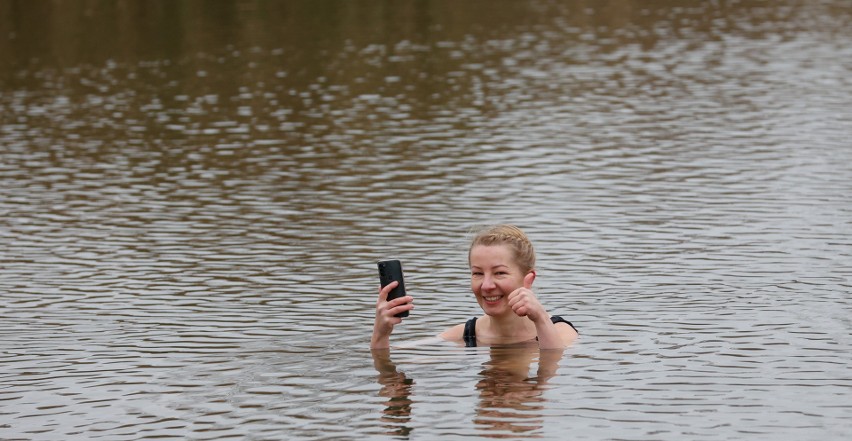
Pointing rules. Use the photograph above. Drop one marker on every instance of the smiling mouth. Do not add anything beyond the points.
(492, 298)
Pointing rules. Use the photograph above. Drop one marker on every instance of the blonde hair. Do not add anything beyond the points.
(508, 235)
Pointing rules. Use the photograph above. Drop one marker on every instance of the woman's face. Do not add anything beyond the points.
(493, 276)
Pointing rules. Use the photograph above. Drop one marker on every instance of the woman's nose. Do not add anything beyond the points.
(487, 283)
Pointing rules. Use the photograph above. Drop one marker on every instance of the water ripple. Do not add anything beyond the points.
(190, 230)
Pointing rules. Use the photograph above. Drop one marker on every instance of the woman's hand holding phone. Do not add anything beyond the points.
(390, 309)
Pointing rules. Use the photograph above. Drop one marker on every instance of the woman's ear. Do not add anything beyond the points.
(529, 279)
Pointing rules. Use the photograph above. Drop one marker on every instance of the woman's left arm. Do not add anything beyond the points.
(525, 304)
(549, 336)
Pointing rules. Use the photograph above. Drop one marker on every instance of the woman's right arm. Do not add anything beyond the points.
(385, 312)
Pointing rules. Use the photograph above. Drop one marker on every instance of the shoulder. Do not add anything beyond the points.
(566, 329)
(557, 319)
(454, 333)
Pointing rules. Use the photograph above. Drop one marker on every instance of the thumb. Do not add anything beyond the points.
(528, 279)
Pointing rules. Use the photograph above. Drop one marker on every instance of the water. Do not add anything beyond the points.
(193, 198)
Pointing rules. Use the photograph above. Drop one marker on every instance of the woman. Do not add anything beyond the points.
(502, 268)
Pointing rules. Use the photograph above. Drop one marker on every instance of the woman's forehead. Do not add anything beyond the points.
(491, 254)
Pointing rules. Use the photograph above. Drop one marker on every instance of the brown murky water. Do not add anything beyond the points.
(193, 196)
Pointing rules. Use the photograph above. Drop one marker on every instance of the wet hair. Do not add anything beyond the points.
(508, 235)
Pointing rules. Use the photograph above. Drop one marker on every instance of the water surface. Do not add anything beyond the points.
(193, 197)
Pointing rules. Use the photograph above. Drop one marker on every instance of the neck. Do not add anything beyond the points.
(511, 325)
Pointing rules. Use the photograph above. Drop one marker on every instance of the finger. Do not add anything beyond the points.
(383, 291)
(386, 307)
(528, 279)
(401, 308)
(400, 301)
(516, 295)
(517, 300)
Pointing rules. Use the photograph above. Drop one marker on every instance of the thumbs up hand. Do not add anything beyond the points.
(524, 303)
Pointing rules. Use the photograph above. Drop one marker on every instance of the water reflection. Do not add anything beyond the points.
(396, 387)
(511, 401)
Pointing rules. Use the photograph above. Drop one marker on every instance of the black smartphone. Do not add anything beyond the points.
(390, 270)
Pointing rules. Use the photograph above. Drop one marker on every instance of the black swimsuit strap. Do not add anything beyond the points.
(558, 319)
(470, 333)
(470, 329)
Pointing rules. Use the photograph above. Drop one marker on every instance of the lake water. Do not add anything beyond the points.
(193, 196)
